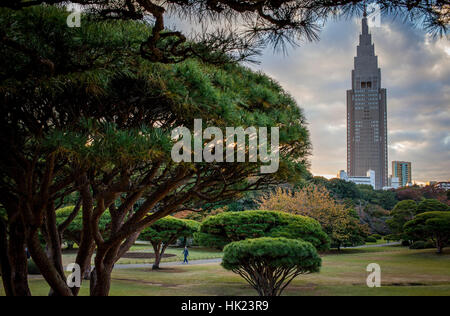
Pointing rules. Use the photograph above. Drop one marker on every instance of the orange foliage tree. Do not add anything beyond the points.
(341, 224)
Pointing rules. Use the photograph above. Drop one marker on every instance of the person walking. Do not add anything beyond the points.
(186, 254)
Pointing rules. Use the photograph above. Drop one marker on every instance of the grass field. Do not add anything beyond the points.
(404, 272)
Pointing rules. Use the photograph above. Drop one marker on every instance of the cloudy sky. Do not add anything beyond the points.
(415, 71)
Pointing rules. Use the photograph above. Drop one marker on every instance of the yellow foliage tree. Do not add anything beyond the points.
(316, 202)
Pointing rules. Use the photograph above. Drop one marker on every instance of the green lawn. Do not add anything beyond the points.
(404, 272)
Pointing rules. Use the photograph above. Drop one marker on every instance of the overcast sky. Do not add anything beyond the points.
(415, 70)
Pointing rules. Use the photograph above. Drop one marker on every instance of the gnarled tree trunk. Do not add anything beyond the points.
(158, 255)
(4, 260)
(18, 260)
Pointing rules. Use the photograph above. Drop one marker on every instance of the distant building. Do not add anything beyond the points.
(367, 115)
(369, 179)
(393, 183)
(402, 170)
(442, 185)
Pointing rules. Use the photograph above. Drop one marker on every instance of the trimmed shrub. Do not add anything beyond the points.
(430, 225)
(270, 264)
(371, 239)
(392, 237)
(420, 244)
(219, 230)
(165, 232)
(431, 205)
(72, 234)
(406, 243)
(377, 237)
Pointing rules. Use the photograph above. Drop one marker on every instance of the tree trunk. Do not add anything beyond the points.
(439, 245)
(100, 281)
(158, 255)
(86, 245)
(48, 270)
(4, 260)
(18, 260)
(54, 243)
(104, 265)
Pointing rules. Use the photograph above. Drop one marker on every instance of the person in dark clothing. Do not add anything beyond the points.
(186, 254)
(27, 253)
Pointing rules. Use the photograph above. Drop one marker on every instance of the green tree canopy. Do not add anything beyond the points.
(431, 205)
(221, 229)
(250, 25)
(430, 225)
(165, 232)
(72, 232)
(83, 111)
(403, 212)
(270, 264)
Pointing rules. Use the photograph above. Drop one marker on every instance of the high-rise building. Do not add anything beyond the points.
(366, 115)
(402, 170)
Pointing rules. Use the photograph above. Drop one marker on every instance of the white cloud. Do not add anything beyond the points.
(416, 72)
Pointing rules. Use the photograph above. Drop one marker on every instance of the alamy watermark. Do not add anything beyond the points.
(74, 18)
(74, 279)
(214, 151)
(374, 278)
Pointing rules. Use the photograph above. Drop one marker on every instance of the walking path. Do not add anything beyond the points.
(166, 264)
(372, 246)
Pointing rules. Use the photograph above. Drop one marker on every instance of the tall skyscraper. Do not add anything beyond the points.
(366, 115)
(402, 170)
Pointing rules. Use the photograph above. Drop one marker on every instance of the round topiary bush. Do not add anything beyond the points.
(377, 237)
(270, 264)
(219, 230)
(391, 237)
(406, 243)
(420, 244)
(371, 239)
(165, 232)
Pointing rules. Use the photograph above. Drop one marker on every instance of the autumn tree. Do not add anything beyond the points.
(269, 265)
(313, 201)
(165, 232)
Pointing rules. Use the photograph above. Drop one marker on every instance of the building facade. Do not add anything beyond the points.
(367, 115)
(443, 185)
(369, 179)
(393, 183)
(402, 170)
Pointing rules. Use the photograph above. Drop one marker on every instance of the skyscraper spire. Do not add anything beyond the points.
(366, 62)
(365, 26)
